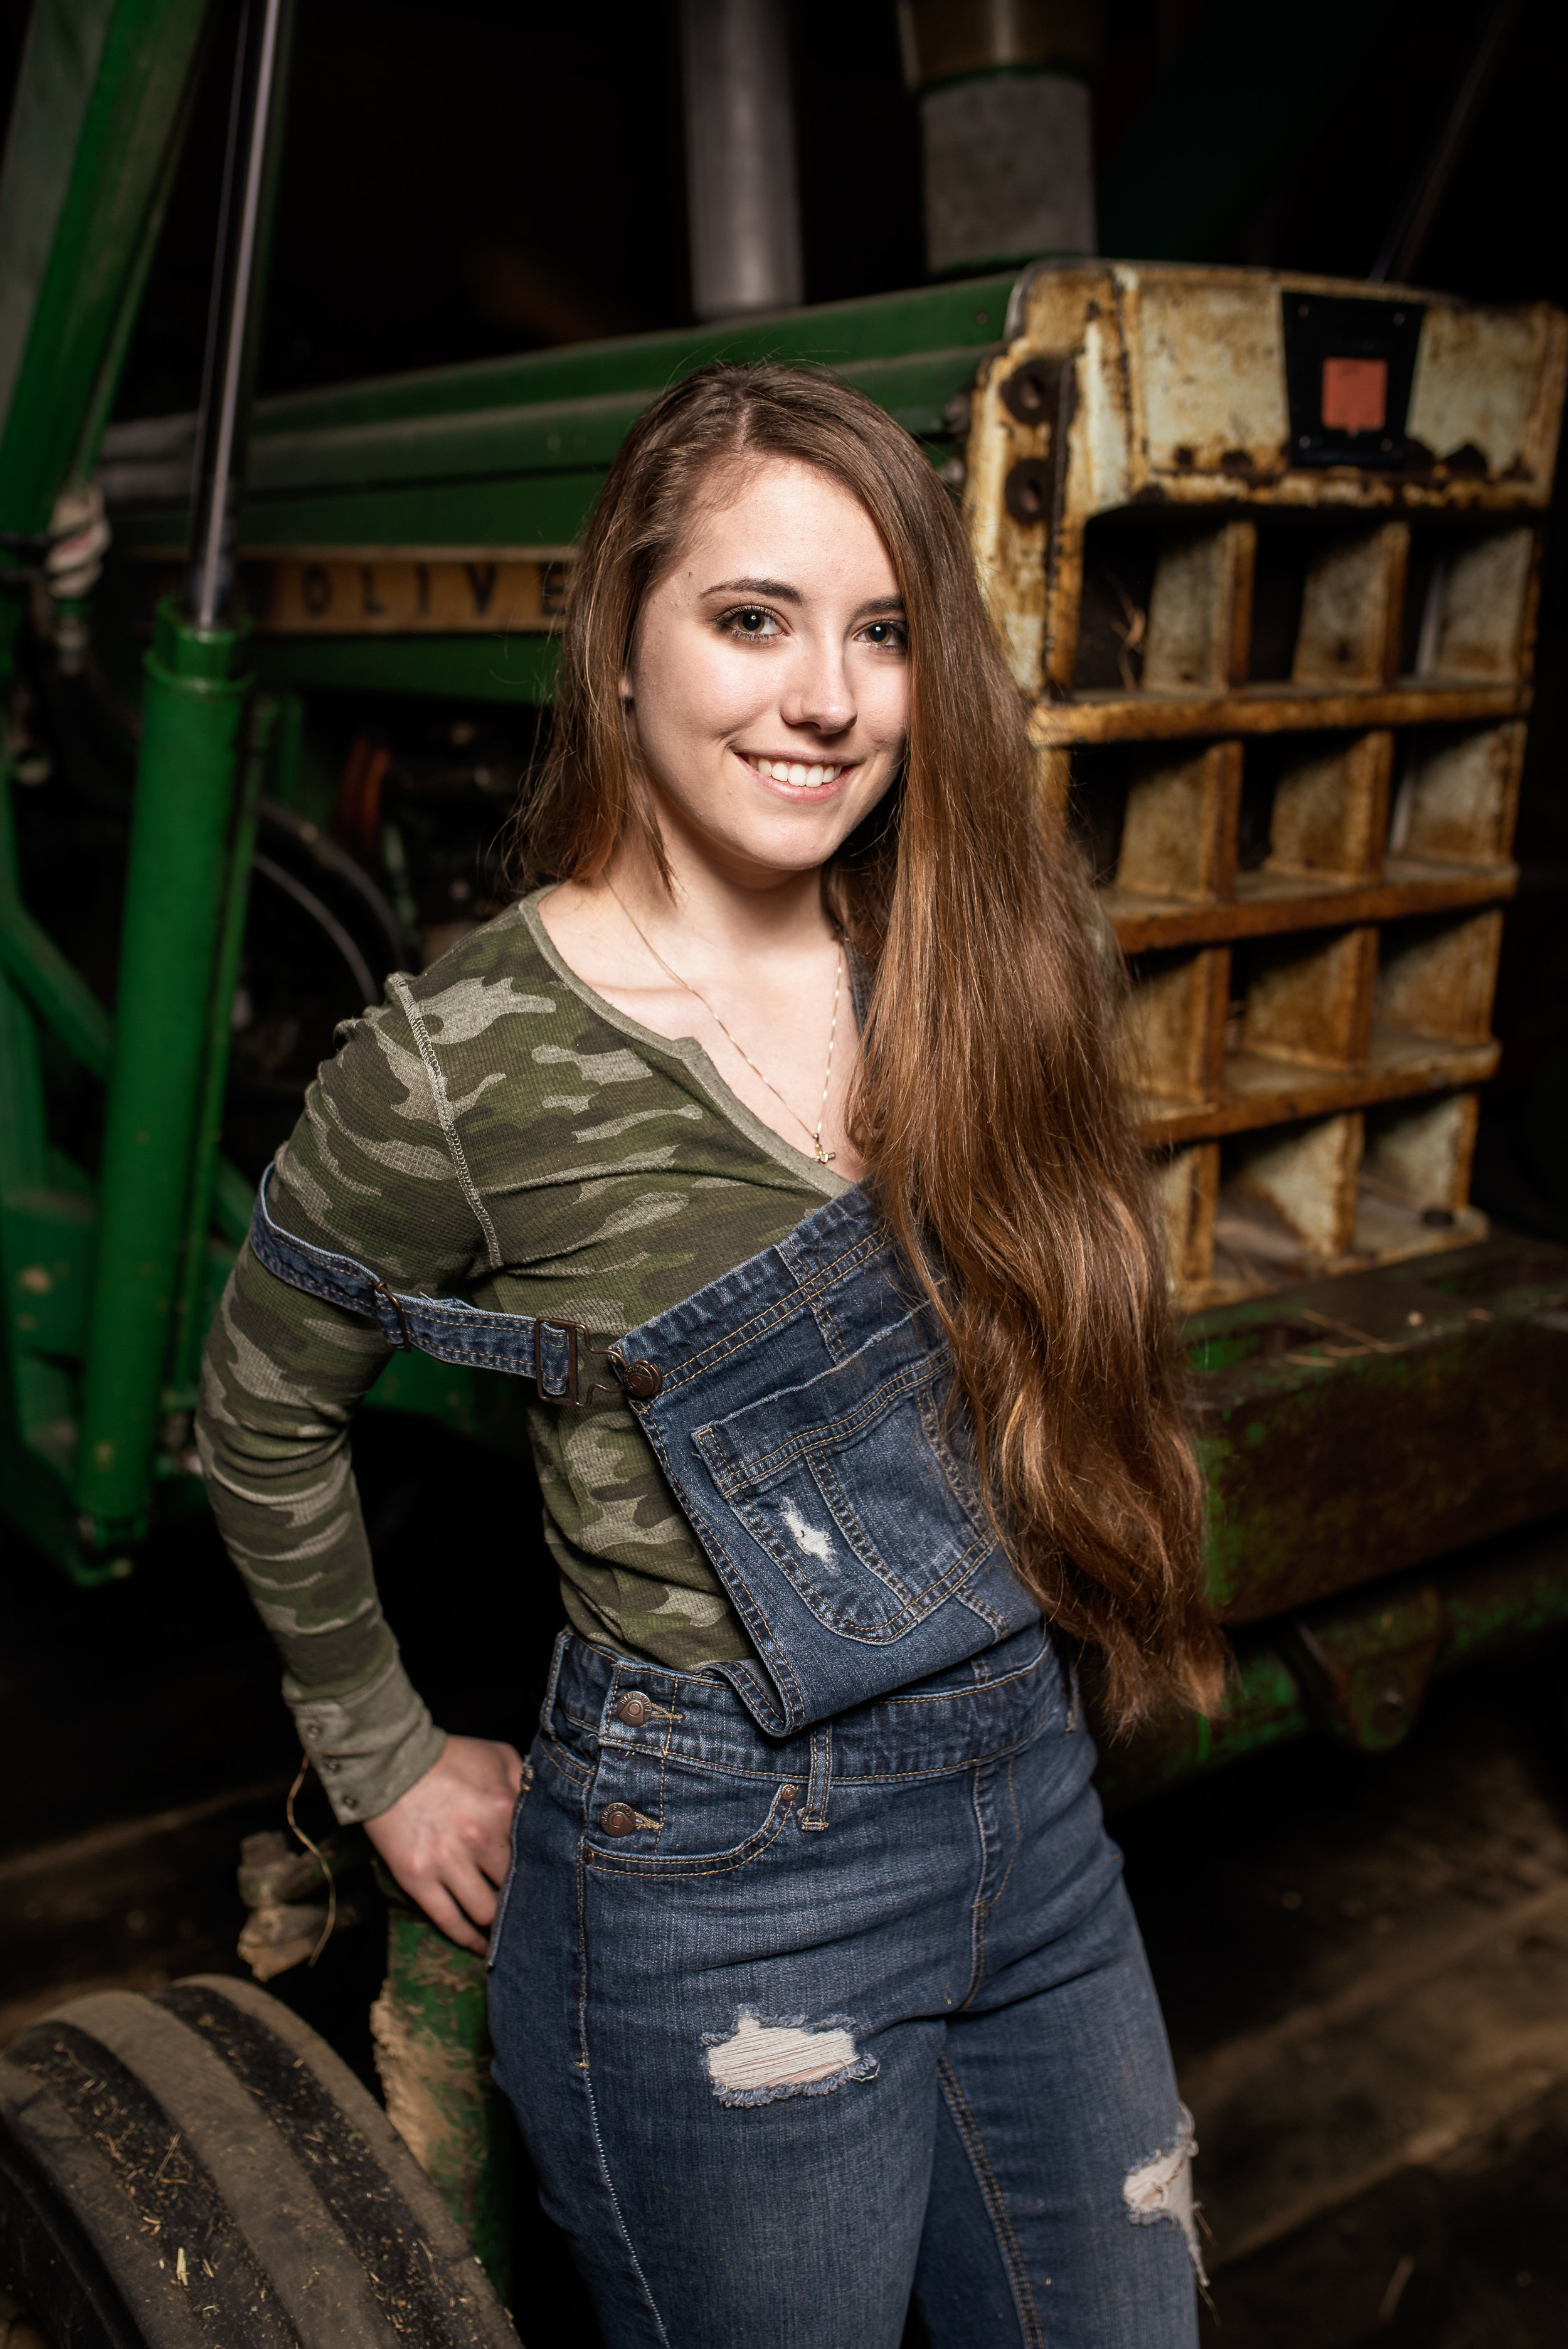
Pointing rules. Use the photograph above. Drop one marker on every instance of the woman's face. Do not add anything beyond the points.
(769, 688)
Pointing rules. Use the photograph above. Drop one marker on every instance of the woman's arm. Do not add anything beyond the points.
(368, 1171)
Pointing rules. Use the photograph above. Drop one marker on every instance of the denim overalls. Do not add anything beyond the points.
(814, 1985)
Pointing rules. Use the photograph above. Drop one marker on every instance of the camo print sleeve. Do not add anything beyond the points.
(494, 1130)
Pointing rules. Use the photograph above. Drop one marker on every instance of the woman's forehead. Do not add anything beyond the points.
(759, 511)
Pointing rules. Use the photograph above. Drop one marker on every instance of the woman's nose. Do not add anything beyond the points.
(817, 692)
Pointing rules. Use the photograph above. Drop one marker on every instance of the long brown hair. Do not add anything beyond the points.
(987, 1109)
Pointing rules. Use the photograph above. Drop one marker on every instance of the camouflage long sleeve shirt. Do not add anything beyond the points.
(496, 1131)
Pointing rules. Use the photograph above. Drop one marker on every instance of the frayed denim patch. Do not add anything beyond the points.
(756, 2061)
(1162, 2187)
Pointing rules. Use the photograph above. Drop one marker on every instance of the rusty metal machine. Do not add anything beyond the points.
(1265, 554)
(1263, 551)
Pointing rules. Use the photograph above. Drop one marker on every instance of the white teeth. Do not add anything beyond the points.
(781, 771)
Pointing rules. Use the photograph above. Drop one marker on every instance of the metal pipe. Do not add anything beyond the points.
(742, 198)
(224, 414)
(175, 895)
(179, 884)
(190, 1330)
(326, 921)
(1005, 126)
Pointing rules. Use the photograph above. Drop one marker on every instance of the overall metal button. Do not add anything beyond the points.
(643, 1380)
(618, 1819)
(634, 1709)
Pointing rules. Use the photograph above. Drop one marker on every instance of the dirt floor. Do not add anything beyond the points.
(1364, 1961)
(1364, 1969)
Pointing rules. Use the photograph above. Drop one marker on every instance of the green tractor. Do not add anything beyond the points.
(1264, 551)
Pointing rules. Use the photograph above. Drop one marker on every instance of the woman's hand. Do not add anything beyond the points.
(447, 1840)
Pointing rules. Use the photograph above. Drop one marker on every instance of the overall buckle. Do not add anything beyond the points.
(577, 1337)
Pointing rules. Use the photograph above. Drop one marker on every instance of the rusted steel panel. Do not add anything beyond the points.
(1355, 1426)
(1142, 922)
(1275, 608)
(1256, 709)
(1188, 396)
(1267, 1092)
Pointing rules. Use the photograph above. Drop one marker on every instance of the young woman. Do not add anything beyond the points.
(814, 1985)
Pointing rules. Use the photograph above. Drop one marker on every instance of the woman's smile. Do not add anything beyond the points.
(795, 774)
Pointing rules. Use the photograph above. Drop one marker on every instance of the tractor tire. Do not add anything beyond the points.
(198, 2171)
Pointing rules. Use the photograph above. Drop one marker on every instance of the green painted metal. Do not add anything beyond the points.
(30, 1384)
(50, 1232)
(103, 98)
(433, 2052)
(24, 1140)
(551, 435)
(1388, 1640)
(36, 969)
(190, 1327)
(928, 319)
(233, 1199)
(197, 683)
(54, 90)
(111, 366)
(1264, 1707)
(478, 668)
(513, 452)
(99, 99)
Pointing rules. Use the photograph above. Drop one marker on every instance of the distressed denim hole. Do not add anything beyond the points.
(1161, 2188)
(758, 2062)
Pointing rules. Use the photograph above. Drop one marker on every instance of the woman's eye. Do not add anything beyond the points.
(751, 620)
(886, 632)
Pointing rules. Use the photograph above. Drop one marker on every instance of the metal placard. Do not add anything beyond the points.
(1349, 364)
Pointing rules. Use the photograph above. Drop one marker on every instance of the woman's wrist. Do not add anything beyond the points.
(370, 1747)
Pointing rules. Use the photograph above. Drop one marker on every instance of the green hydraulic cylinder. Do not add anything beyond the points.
(191, 1329)
(198, 683)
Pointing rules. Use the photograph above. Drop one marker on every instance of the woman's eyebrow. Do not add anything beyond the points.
(779, 588)
(782, 592)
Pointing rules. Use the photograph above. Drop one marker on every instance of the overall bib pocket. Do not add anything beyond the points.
(854, 1493)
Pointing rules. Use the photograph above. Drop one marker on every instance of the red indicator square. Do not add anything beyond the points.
(1355, 395)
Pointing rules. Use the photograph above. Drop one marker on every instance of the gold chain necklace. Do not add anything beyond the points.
(824, 1157)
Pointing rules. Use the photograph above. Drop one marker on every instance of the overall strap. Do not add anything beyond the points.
(524, 1344)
